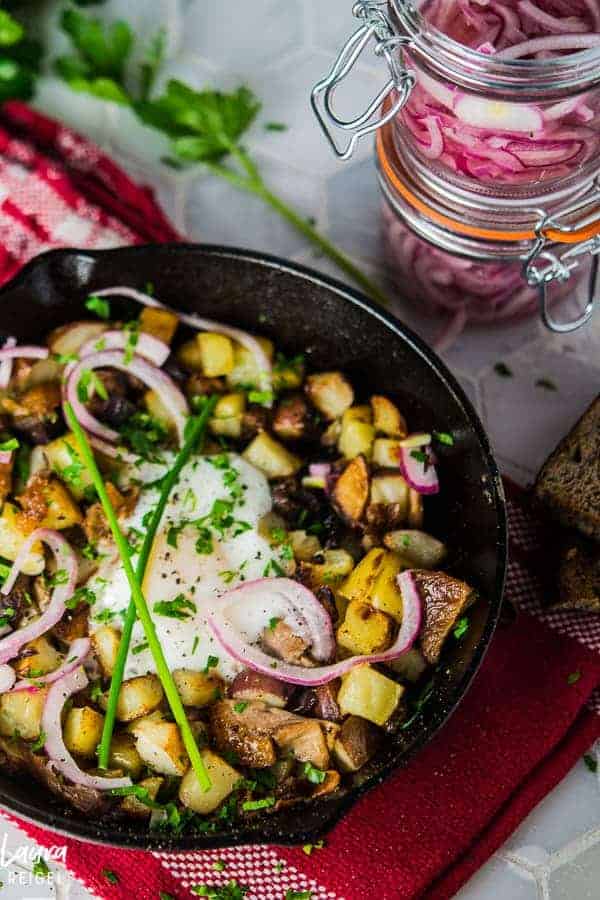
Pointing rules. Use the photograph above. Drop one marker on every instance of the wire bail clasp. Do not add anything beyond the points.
(559, 264)
(377, 27)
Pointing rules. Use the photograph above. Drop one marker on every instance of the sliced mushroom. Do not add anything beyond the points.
(249, 685)
(356, 743)
(444, 600)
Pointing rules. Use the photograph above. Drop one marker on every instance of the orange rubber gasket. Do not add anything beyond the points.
(386, 151)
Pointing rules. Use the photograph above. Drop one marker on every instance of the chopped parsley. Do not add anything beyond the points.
(139, 648)
(291, 894)
(10, 444)
(219, 865)
(240, 707)
(230, 891)
(461, 627)
(211, 663)
(574, 677)
(110, 876)
(180, 607)
(132, 340)
(420, 456)
(253, 805)
(61, 576)
(546, 384)
(195, 644)
(143, 433)
(308, 849)
(275, 126)
(312, 774)
(98, 305)
(273, 568)
(63, 359)
(81, 595)
(39, 742)
(6, 615)
(40, 868)
(591, 762)
(105, 616)
(89, 385)
(502, 370)
(264, 398)
(273, 622)
(444, 438)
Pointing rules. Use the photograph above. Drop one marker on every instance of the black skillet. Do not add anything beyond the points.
(336, 327)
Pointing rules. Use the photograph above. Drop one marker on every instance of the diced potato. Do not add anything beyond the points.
(12, 537)
(358, 414)
(160, 745)
(410, 665)
(231, 427)
(330, 392)
(387, 418)
(271, 457)
(138, 697)
(416, 513)
(306, 741)
(385, 593)
(21, 713)
(246, 370)
(160, 323)
(369, 694)
(230, 405)
(43, 371)
(331, 435)
(418, 548)
(82, 730)
(288, 378)
(216, 354)
(390, 489)
(223, 778)
(105, 641)
(356, 437)
(70, 339)
(386, 453)
(62, 511)
(364, 630)
(351, 491)
(337, 563)
(63, 453)
(158, 410)
(196, 688)
(305, 546)
(134, 807)
(123, 755)
(38, 657)
(189, 356)
(359, 584)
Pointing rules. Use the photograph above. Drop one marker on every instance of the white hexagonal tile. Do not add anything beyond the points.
(353, 209)
(244, 36)
(285, 93)
(579, 878)
(497, 879)
(86, 114)
(131, 138)
(187, 67)
(220, 213)
(525, 420)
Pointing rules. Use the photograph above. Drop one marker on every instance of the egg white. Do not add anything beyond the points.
(200, 577)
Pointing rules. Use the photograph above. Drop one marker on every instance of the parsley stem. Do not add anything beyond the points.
(138, 599)
(253, 183)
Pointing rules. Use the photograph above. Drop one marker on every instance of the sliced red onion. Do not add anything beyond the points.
(319, 470)
(76, 654)
(250, 607)
(26, 351)
(5, 457)
(556, 45)
(157, 380)
(65, 559)
(118, 453)
(7, 678)
(147, 345)
(254, 658)
(6, 364)
(420, 476)
(60, 758)
(200, 324)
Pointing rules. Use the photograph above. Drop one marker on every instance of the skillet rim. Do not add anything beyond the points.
(79, 828)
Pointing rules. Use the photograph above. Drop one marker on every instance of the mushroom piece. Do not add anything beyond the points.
(280, 641)
(444, 600)
(351, 491)
(306, 741)
(355, 744)
(249, 685)
(294, 419)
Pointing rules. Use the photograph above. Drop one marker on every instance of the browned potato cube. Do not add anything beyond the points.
(271, 457)
(21, 713)
(369, 694)
(196, 688)
(330, 392)
(105, 642)
(82, 731)
(216, 354)
(306, 741)
(359, 584)
(351, 491)
(419, 549)
(223, 779)
(387, 418)
(160, 745)
(364, 630)
(138, 697)
(134, 807)
(37, 658)
(160, 323)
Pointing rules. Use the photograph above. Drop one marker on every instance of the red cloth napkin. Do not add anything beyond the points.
(529, 716)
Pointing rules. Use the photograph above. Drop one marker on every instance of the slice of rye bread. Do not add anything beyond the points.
(579, 574)
(568, 484)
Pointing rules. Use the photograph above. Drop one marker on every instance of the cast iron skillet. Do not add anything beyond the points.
(337, 328)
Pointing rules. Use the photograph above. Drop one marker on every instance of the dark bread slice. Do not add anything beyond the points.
(579, 575)
(568, 484)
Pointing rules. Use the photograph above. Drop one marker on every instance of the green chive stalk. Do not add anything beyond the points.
(137, 598)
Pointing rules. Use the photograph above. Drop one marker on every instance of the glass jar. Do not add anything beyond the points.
(486, 260)
(478, 119)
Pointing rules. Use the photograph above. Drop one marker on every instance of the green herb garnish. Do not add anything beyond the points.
(502, 370)
(461, 627)
(240, 707)
(230, 891)
(40, 868)
(39, 742)
(178, 608)
(110, 876)
(138, 603)
(444, 438)
(10, 444)
(546, 384)
(98, 305)
(574, 677)
(263, 803)
(591, 762)
(312, 774)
